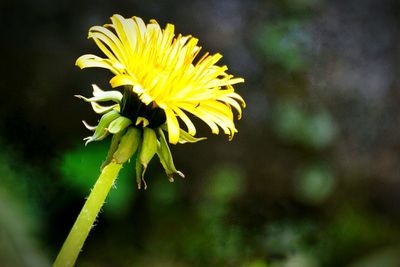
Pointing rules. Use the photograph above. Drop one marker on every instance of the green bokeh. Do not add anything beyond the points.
(80, 168)
(20, 214)
(314, 183)
(282, 43)
(296, 125)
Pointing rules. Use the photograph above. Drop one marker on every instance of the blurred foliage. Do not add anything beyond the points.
(352, 231)
(281, 239)
(255, 263)
(314, 130)
(314, 183)
(282, 44)
(303, 6)
(19, 215)
(388, 257)
(297, 260)
(80, 168)
(203, 237)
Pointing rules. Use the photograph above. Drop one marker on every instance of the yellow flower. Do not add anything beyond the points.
(160, 71)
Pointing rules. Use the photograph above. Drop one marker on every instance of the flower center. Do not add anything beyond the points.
(132, 108)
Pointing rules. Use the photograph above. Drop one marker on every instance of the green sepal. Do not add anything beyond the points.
(116, 138)
(147, 151)
(96, 90)
(127, 145)
(115, 96)
(99, 109)
(185, 137)
(139, 170)
(149, 146)
(119, 124)
(164, 153)
(89, 127)
(101, 130)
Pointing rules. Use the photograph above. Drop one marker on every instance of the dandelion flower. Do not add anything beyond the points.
(164, 85)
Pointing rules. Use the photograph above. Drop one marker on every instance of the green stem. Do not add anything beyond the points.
(79, 232)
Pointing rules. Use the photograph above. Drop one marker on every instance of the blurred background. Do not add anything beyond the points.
(311, 179)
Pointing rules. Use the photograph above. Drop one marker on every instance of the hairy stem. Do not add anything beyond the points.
(79, 232)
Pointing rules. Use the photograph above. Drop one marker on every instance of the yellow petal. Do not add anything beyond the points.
(173, 126)
(218, 82)
(109, 39)
(233, 103)
(186, 120)
(120, 80)
(92, 61)
(202, 115)
(123, 28)
(140, 26)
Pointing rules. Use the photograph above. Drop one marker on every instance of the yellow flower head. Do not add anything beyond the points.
(164, 80)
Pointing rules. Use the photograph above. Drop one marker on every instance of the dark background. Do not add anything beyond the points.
(311, 179)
